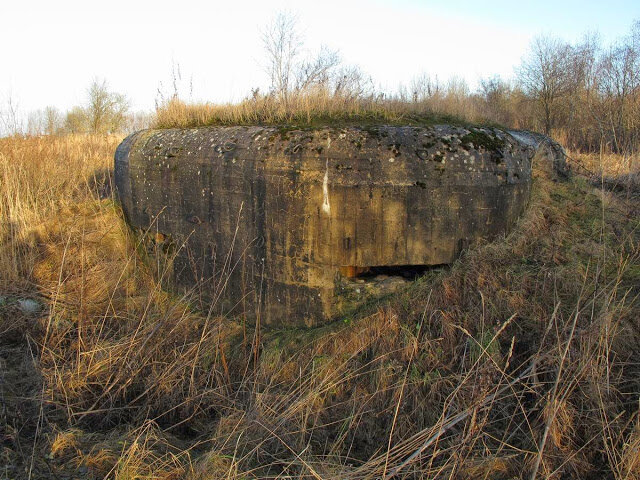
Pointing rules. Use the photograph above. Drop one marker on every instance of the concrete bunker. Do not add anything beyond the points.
(270, 222)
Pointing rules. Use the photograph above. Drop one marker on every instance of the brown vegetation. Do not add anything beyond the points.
(519, 361)
(585, 95)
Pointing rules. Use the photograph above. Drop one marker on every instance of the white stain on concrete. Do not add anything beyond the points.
(326, 208)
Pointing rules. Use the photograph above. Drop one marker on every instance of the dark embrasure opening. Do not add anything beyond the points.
(410, 272)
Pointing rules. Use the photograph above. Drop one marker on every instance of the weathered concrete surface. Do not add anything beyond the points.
(267, 219)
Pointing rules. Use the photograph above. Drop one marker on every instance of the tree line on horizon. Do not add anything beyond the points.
(585, 94)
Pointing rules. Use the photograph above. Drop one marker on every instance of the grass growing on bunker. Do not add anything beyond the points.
(522, 360)
(312, 110)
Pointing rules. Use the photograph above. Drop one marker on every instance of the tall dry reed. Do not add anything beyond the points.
(519, 361)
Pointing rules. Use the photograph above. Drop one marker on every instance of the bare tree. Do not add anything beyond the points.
(11, 122)
(423, 87)
(45, 122)
(35, 122)
(290, 69)
(543, 76)
(52, 121)
(582, 125)
(496, 93)
(282, 43)
(317, 71)
(351, 83)
(620, 91)
(76, 121)
(106, 111)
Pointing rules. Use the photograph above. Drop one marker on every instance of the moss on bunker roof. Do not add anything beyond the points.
(481, 139)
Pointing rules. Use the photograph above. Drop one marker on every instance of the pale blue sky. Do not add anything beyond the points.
(566, 18)
(52, 50)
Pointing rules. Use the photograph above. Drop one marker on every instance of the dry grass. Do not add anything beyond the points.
(522, 360)
(313, 109)
(39, 176)
(620, 173)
